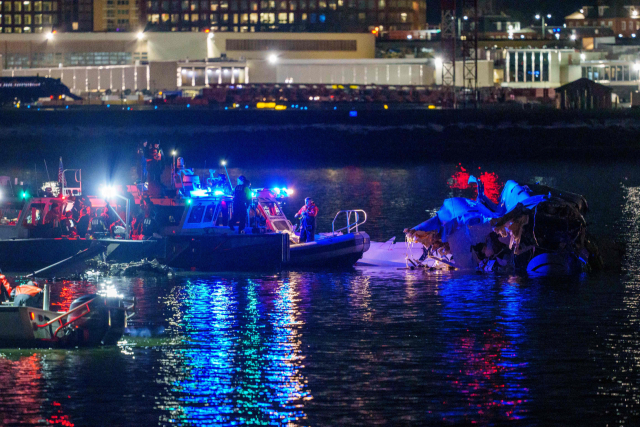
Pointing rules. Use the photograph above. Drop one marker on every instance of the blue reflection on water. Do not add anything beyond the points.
(483, 327)
(238, 359)
(208, 324)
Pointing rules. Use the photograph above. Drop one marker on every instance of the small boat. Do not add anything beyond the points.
(92, 320)
(339, 248)
(267, 227)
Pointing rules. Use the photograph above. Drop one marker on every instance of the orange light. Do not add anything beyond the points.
(33, 316)
(54, 31)
(207, 30)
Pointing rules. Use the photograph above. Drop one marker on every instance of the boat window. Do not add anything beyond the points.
(10, 212)
(208, 215)
(35, 215)
(196, 214)
(271, 208)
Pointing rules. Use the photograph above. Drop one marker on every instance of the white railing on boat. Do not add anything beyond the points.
(350, 225)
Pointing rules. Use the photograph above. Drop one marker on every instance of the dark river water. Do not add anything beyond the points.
(363, 346)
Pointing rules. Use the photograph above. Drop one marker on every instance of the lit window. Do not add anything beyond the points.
(27, 7)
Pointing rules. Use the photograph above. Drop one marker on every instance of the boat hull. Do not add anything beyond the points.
(18, 329)
(226, 252)
(330, 252)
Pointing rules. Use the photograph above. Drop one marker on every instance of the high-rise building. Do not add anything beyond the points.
(77, 15)
(116, 15)
(284, 15)
(29, 16)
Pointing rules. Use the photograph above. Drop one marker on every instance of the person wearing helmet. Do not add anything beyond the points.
(307, 215)
(241, 200)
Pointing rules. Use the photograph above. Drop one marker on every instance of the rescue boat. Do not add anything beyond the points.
(204, 215)
(91, 320)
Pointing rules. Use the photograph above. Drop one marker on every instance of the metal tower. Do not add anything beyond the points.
(469, 38)
(448, 40)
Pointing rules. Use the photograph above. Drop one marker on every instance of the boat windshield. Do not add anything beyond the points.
(10, 212)
(35, 215)
(271, 209)
(195, 216)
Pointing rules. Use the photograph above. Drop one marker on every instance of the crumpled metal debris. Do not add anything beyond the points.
(144, 267)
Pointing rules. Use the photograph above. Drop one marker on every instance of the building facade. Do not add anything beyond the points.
(29, 16)
(77, 15)
(284, 15)
(125, 48)
(116, 15)
(624, 21)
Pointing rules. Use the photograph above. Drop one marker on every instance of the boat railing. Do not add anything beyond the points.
(353, 220)
(72, 191)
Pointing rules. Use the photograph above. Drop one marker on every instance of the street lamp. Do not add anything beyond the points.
(541, 18)
(109, 192)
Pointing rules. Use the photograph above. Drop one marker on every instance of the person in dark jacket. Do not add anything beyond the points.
(149, 226)
(83, 222)
(100, 224)
(241, 200)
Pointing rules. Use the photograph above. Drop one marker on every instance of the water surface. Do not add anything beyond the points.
(362, 346)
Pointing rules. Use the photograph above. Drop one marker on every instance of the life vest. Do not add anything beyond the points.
(98, 225)
(4, 282)
(149, 226)
(26, 290)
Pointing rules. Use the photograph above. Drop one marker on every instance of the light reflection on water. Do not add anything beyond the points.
(366, 346)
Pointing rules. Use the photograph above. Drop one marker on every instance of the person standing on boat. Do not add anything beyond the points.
(52, 221)
(149, 225)
(241, 200)
(100, 224)
(83, 222)
(307, 215)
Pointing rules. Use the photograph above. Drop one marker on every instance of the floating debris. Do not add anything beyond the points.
(144, 267)
(532, 228)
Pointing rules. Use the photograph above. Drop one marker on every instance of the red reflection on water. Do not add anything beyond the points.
(492, 186)
(22, 394)
(488, 377)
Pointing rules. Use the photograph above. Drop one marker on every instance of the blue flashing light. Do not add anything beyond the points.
(128, 108)
(188, 201)
(353, 114)
(67, 107)
(108, 105)
(28, 106)
(226, 108)
(38, 109)
(335, 108)
(188, 105)
(218, 193)
(276, 190)
(155, 108)
(246, 106)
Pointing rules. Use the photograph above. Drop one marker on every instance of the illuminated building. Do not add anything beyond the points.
(116, 15)
(281, 15)
(29, 16)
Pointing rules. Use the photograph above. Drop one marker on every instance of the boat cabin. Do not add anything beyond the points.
(210, 215)
(24, 218)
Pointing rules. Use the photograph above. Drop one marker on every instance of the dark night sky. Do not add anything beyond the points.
(524, 10)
